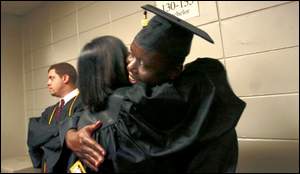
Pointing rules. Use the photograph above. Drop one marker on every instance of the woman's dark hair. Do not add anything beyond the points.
(101, 69)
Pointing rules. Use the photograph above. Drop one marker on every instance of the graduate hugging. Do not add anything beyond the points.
(145, 112)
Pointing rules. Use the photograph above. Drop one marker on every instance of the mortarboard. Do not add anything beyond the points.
(168, 35)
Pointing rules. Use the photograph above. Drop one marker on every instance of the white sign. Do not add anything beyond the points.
(181, 9)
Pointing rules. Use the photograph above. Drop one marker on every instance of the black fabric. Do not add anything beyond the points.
(67, 124)
(168, 35)
(186, 126)
(44, 140)
(178, 22)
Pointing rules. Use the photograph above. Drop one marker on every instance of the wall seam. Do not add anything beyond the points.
(270, 95)
(254, 11)
(265, 51)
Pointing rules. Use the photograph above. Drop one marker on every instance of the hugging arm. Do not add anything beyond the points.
(84, 146)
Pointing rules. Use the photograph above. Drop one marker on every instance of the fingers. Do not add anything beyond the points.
(87, 160)
(97, 124)
(93, 149)
(90, 158)
(91, 143)
(89, 151)
(91, 128)
(88, 142)
(90, 165)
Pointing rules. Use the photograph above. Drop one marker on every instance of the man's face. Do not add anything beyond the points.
(146, 67)
(55, 83)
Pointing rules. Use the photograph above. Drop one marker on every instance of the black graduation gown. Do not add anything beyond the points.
(43, 138)
(184, 126)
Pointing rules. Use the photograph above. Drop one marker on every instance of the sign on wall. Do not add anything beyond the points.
(181, 9)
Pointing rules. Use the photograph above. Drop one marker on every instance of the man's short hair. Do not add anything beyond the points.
(65, 68)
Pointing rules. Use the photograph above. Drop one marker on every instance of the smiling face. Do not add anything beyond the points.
(150, 68)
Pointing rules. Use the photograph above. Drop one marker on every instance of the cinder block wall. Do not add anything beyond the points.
(12, 89)
(257, 41)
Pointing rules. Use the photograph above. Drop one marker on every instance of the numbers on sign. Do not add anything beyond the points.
(173, 5)
(186, 3)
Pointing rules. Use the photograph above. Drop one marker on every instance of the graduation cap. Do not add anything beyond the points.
(168, 35)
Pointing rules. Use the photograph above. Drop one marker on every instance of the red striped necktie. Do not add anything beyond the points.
(59, 110)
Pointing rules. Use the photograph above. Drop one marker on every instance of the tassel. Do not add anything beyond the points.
(145, 20)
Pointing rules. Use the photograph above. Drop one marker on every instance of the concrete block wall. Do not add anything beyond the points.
(257, 41)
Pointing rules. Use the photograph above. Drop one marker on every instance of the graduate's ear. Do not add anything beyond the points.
(66, 78)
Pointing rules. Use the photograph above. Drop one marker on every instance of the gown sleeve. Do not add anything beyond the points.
(146, 124)
(154, 128)
(40, 134)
